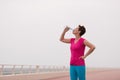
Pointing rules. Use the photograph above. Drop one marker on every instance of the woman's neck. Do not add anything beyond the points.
(77, 37)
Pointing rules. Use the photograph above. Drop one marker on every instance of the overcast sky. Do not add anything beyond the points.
(30, 31)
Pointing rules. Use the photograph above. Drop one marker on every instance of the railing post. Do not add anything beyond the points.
(56, 68)
(13, 70)
(21, 70)
(49, 69)
(37, 69)
(1, 69)
(30, 69)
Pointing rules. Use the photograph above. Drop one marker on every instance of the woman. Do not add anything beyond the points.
(78, 44)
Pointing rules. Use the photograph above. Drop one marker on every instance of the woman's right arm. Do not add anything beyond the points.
(63, 34)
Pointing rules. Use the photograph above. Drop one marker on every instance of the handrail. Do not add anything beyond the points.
(9, 69)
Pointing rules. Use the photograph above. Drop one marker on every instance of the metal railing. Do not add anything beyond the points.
(7, 69)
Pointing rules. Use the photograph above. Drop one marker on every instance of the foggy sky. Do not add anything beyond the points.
(30, 31)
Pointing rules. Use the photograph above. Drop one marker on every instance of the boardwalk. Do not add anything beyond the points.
(113, 74)
(102, 74)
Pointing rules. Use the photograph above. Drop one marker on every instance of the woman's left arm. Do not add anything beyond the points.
(91, 48)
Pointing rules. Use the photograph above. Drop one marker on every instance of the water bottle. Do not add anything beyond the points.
(70, 28)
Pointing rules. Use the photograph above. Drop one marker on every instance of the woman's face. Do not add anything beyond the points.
(76, 30)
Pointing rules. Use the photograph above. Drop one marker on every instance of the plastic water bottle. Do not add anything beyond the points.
(70, 28)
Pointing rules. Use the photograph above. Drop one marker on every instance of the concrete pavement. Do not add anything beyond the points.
(110, 74)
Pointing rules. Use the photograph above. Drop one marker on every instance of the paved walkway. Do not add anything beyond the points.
(113, 74)
(59, 78)
(93, 74)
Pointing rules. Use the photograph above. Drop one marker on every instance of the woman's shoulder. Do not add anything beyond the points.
(72, 39)
(83, 38)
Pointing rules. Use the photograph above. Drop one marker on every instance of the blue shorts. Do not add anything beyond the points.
(77, 72)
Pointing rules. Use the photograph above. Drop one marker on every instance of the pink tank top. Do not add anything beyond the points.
(77, 50)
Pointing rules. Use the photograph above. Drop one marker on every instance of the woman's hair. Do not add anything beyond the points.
(82, 30)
